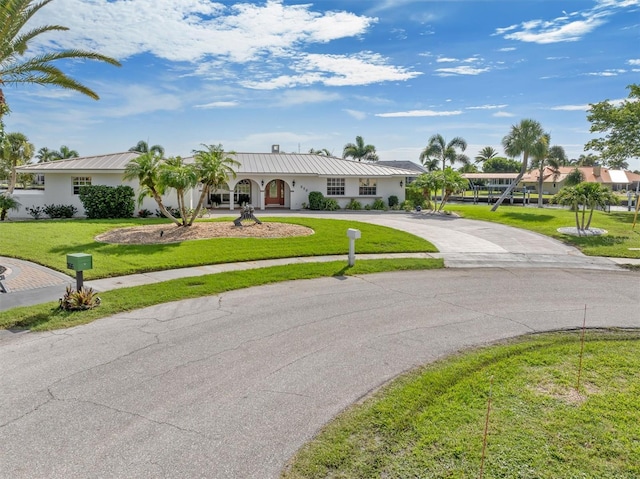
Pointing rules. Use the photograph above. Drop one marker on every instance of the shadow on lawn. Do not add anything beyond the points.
(529, 217)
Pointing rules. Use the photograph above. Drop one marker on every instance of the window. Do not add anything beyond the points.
(367, 186)
(335, 186)
(79, 181)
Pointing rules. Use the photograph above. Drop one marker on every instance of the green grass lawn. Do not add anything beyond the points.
(616, 243)
(48, 242)
(48, 316)
(430, 423)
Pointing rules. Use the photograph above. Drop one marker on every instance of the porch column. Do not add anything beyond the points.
(262, 201)
(231, 200)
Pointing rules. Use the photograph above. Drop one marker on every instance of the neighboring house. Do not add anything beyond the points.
(265, 180)
(490, 181)
(406, 165)
(553, 181)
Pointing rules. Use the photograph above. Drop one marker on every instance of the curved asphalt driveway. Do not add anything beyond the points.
(231, 386)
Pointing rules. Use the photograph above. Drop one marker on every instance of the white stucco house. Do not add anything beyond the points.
(265, 180)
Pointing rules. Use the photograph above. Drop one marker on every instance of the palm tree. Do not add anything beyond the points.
(7, 203)
(44, 155)
(16, 151)
(452, 181)
(438, 149)
(430, 164)
(64, 153)
(180, 176)
(485, 154)
(547, 157)
(16, 66)
(143, 147)
(359, 151)
(146, 169)
(426, 185)
(214, 168)
(587, 195)
(574, 177)
(523, 139)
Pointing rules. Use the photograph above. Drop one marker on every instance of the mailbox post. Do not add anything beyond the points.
(79, 262)
(353, 235)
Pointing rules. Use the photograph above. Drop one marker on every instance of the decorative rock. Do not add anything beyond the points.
(573, 231)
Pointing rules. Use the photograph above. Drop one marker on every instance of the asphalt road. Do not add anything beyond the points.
(231, 386)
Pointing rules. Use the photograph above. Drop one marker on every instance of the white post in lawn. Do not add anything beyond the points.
(353, 235)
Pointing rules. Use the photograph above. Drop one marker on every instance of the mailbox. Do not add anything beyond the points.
(353, 233)
(79, 261)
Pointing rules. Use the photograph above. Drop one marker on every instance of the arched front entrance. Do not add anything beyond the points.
(274, 193)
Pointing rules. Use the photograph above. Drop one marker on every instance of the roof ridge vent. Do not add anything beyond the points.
(275, 148)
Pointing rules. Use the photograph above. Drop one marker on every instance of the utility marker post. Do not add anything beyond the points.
(353, 235)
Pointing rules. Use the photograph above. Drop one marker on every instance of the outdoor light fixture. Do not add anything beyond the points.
(401, 183)
(262, 182)
(293, 183)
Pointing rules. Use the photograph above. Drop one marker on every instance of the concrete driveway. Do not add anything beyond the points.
(231, 386)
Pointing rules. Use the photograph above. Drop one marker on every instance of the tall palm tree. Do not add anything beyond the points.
(445, 152)
(438, 149)
(143, 147)
(146, 169)
(523, 139)
(359, 151)
(430, 164)
(16, 150)
(64, 153)
(16, 66)
(485, 154)
(547, 157)
(44, 155)
(214, 168)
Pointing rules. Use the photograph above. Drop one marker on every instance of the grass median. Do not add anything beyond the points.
(430, 423)
(48, 316)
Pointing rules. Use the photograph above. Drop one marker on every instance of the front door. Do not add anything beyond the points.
(274, 193)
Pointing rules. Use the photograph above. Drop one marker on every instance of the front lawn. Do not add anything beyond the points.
(48, 242)
(430, 423)
(618, 242)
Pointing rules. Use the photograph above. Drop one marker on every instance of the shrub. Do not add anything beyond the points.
(77, 300)
(144, 213)
(393, 201)
(354, 205)
(60, 211)
(101, 201)
(35, 212)
(331, 205)
(316, 200)
(378, 205)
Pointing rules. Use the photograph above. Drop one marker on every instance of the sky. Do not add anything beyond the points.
(317, 73)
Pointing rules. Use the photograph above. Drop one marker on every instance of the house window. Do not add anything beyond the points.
(243, 192)
(79, 181)
(335, 186)
(367, 186)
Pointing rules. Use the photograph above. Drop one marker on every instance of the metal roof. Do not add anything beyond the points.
(250, 163)
(115, 161)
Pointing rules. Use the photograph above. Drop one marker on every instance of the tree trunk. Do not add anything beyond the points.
(203, 195)
(590, 216)
(540, 182)
(12, 180)
(163, 208)
(508, 191)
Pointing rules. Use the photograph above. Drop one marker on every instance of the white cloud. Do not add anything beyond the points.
(503, 114)
(218, 104)
(418, 113)
(461, 70)
(567, 28)
(138, 99)
(507, 49)
(358, 115)
(571, 108)
(196, 29)
(634, 62)
(364, 68)
(486, 107)
(447, 60)
(606, 73)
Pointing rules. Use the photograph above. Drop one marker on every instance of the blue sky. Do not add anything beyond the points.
(316, 73)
